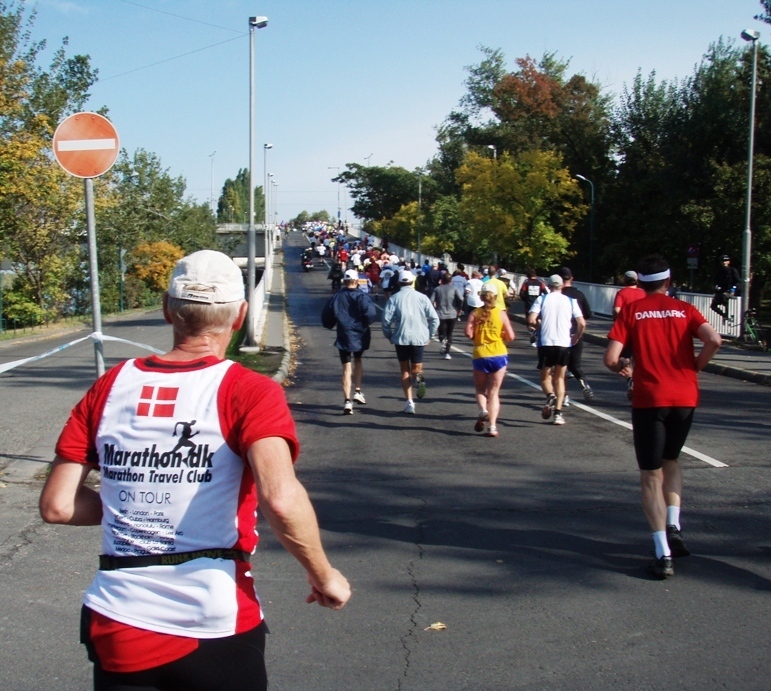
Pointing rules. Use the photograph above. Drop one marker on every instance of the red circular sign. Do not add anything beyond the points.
(86, 145)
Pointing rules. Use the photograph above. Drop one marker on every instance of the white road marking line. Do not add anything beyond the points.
(621, 423)
(85, 144)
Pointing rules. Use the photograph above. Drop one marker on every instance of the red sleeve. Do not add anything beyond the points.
(619, 332)
(696, 318)
(76, 441)
(254, 407)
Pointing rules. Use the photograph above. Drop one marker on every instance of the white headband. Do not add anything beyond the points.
(651, 278)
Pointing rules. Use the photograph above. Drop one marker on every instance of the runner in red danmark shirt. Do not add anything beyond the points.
(186, 445)
(660, 331)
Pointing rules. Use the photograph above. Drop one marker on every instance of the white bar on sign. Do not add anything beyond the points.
(85, 144)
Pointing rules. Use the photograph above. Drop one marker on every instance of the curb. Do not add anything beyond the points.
(283, 370)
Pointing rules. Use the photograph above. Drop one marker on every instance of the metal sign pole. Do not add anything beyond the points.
(96, 306)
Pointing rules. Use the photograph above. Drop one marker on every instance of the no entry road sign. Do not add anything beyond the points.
(86, 145)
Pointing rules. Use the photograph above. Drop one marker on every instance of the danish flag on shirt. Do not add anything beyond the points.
(157, 401)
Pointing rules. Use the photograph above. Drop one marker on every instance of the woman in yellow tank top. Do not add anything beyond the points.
(491, 329)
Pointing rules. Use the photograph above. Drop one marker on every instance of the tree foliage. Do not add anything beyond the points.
(521, 210)
(378, 192)
(154, 262)
(233, 204)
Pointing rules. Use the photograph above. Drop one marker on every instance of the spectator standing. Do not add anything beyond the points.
(170, 605)
(448, 301)
(661, 330)
(490, 328)
(351, 311)
(409, 322)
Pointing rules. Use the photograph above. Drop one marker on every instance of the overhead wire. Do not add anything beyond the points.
(241, 34)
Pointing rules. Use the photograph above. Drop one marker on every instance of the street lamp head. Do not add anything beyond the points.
(750, 35)
(259, 22)
(581, 177)
(267, 146)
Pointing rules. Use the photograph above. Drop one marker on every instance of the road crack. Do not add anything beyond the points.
(409, 638)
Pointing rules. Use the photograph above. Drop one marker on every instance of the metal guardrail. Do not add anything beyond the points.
(601, 296)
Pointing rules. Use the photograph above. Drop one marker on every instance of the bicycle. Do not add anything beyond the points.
(753, 333)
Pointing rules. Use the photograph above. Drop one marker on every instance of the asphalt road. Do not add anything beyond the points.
(530, 548)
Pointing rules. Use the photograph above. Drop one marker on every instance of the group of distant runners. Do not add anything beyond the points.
(651, 337)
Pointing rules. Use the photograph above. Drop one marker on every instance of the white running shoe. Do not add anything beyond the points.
(409, 408)
(447, 356)
(348, 408)
(358, 396)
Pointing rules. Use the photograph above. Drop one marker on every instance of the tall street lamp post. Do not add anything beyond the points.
(275, 205)
(251, 243)
(753, 36)
(591, 225)
(420, 205)
(265, 148)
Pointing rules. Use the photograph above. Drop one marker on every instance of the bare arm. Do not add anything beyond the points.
(65, 499)
(469, 330)
(508, 329)
(287, 508)
(532, 320)
(711, 340)
(613, 360)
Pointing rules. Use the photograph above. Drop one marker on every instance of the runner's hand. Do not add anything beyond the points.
(333, 593)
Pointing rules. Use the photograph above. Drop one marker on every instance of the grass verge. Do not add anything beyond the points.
(264, 362)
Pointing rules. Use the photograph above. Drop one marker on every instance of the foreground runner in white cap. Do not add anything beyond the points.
(186, 444)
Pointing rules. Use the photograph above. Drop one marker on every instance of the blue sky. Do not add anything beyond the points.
(338, 81)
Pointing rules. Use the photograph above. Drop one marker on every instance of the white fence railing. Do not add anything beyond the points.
(601, 296)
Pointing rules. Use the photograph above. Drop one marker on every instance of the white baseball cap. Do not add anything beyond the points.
(489, 288)
(207, 276)
(406, 277)
(351, 275)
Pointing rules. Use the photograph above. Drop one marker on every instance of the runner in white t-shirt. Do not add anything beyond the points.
(555, 312)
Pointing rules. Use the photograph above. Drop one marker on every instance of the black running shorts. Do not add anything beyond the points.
(409, 353)
(553, 356)
(346, 355)
(659, 434)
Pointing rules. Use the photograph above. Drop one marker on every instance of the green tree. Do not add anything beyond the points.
(682, 149)
(521, 210)
(233, 204)
(39, 203)
(378, 192)
(138, 201)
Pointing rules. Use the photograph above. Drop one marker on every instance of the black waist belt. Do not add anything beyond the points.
(110, 563)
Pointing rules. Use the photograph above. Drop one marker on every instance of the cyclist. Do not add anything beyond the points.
(726, 283)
